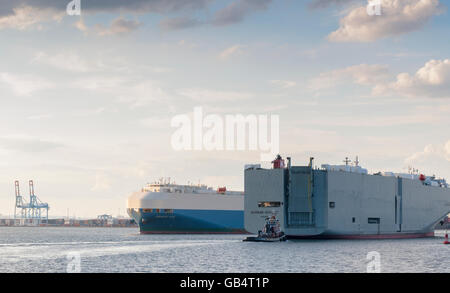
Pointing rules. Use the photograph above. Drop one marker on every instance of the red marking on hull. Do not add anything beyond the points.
(373, 236)
(194, 232)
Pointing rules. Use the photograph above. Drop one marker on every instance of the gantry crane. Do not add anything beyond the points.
(29, 212)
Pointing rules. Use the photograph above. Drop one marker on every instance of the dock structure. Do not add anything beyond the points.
(31, 213)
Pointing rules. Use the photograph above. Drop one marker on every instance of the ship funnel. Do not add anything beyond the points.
(278, 163)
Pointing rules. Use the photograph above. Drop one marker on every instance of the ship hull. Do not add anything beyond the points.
(368, 236)
(190, 222)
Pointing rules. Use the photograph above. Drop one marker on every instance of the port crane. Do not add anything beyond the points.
(32, 212)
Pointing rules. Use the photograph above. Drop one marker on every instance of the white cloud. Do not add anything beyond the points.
(432, 80)
(28, 144)
(232, 51)
(25, 17)
(102, 183)
(142, 94)
(24, 85)
(103, 84)
(432, 160)
(205, 95)
(398, 17)
(66, 61)
(135, 92)
(39, 117)
(81, 25)
(156, 123)
(119, 26)
(439, 150)
(362, 74)
(283, 83)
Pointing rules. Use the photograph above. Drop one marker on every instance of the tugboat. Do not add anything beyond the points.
(270, 233)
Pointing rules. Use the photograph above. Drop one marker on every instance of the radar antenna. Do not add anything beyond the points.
(347, 161)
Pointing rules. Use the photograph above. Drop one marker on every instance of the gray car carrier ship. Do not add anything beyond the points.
(343, 201)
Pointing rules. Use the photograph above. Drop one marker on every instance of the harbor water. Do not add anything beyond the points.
(124, 250)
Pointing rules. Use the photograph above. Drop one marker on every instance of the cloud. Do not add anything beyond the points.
(66, 61)
(102, 183)
(39, 117)
(119, 26)
(205, 95)
(143, 93)
(23, 14)
(432, 160)
(398, 17)
(362, 74)
(233, 13)
(283, 83)
(125, 89)
(156, 123)
(80, 25)
(25, 17)
(102, 6)
(28, 144)
(439, 150)
(232, 51)
(238, 10)
(315, 4)
(432, 80)
(24, 85)
(177, 23)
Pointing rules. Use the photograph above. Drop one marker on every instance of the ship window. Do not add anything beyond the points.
(269, 204)
(332, 204)
(353, 220)
(373, 220)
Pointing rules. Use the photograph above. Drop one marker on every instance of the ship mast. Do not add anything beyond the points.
(347, 161)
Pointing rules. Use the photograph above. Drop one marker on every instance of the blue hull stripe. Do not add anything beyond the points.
(191, 221)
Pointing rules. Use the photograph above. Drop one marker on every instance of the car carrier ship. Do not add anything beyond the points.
(344, 201)
(166, 208)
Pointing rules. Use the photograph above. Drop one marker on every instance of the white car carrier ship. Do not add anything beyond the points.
(166, 208)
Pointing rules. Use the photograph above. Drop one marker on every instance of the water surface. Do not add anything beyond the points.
(29, 249)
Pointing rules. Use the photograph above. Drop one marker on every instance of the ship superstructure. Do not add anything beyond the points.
(344, 201)
(164, 207)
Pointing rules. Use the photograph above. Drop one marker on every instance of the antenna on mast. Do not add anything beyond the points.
(357, 161)
(347, 161)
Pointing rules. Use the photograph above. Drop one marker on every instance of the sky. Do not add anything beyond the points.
(86, 101)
